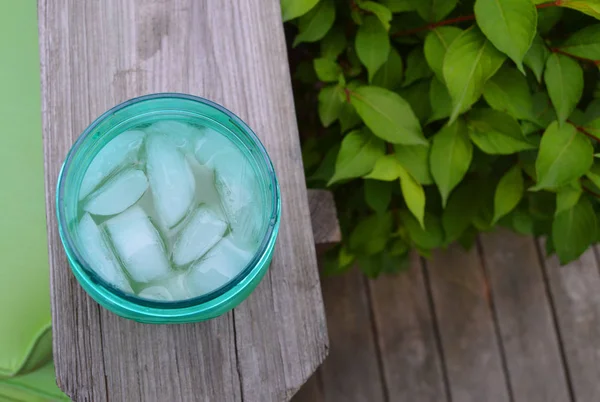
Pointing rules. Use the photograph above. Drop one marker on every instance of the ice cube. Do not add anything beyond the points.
(221, 264)
(139, 245)
(109, 159)
(237, 187)
(226, 258)
(181, 134)
(99, 255)
(209, 146)
(206, 193)
(201, 232)
(171, 179)
(159, 293)
(200, 283)
(168, 289)
(118, 194)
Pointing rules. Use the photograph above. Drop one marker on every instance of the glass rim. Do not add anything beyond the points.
(253, 265)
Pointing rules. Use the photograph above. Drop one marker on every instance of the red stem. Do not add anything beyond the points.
(347, 93)
(559, 51)
(459, 19)
(589, 191)
(583, 131)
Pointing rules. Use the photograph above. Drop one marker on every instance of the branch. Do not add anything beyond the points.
(590, 191)
(458, 20)
(560, 51)
(583, 131)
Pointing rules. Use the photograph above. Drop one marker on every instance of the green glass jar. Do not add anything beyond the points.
(140, 112)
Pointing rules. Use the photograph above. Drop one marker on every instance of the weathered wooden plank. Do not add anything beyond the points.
(97, 54)
(404, 325)
(575, 290)
(470, 347)
(311, 391)
(351, 372)
(526, 326)
(323, 215)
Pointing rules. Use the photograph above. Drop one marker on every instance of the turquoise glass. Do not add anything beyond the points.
(136, 113)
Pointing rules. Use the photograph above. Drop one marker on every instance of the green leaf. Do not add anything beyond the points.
(547, 18)
(496, 132)
(536, 57)
(387, 168)
(325, 171)
(565, 155)
(434, 10)
(593, 127)
(594, 174)
(390, 74)
(415, 159)
(592, 112)
(439, 98)
(430, 237)
(314, 25)
(371, 234)
(437, 42)
(379, 10)
(327, 70)
(345, 258)
(470, 61)
(348, 117)
(508, 193)
(451, 154)
(584, 43)
(521, 222)
(509, 24)
(574, 230)
(416, 67)
(417, 96)
(333, 44)
(378, 195)
(564, 80)
(372, 44)
(507, 91)
(589, 7)
(291, 9)
(387, 115)
(463, 205)
(567, 197)
(543, 112)
(330, 104)
(398, 6)
(358, 154)
(414, 195)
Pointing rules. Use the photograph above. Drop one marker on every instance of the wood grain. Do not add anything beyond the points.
(404, 325)
(97, 54)
(470, 347)
(526, 325)
(575, 290)
(351, 372)
(323, 215)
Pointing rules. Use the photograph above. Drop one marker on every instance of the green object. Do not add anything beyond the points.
(25, 339)
(37, 386)
(146, 110)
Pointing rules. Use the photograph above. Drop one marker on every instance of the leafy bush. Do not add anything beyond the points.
(433, 120)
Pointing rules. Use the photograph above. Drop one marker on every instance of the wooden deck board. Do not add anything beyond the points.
(95, 54)
(471, 354)
(352, 372)
(525, 321)
(576, 295)
(548, 319)
(405, 331)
